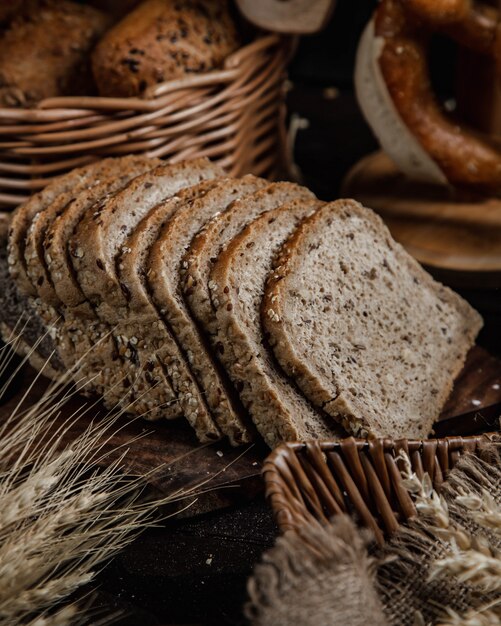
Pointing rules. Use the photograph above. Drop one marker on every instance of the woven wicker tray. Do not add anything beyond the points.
(315, 481)
(308, 482)
(233, 115)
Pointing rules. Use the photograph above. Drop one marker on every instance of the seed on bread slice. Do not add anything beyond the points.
(144, 331)
(164, 266)
(366, 333)
(13, 316)
(238, 277)
(99, 239)
(218, 232)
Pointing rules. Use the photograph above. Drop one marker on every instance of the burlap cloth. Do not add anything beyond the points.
(325, 576)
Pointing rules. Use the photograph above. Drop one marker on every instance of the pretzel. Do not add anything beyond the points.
(411, 125)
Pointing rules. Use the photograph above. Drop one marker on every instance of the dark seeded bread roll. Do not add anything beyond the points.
(44, 52)
(162, 40)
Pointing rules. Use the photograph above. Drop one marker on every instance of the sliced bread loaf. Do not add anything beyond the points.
(34, 253)
(73, 181)
(20, 290)
(108, 172)
(98, 240)
(238, 277)
(148, 342)
(57, 257)
(367, 334)
(164, 281)
(19, 308)
(219, 231)
(77, 326)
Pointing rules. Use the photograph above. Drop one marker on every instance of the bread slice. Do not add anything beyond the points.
(20, 291)
(367, 334)
(222, 228)
(56, 254)
(35, 252)
(238, 277)
(164, 281)
(148, 338)
(98, 240)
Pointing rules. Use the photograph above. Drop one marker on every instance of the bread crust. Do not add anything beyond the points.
(36, 248)
(59, 231)
(22, 217)
(62, 303)
(278, 411)
(94, 247)
(142, 327)
(24, 293)
(209, 242)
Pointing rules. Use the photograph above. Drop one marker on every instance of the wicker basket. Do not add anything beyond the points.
(232, 115)
(317, 480)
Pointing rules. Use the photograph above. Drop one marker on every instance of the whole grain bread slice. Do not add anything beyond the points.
(164, 265)
(99, 239)
(219, 231)
(20, 291)
(367, 334)
(13, 316)
(149, 343)
(56, 253)
(238, 277)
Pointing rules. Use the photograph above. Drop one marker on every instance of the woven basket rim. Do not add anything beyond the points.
(233, 115)
(227, 73)
(288, 495)
(389, 443)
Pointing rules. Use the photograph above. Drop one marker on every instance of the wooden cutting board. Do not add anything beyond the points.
(457, 235)
(180, 461)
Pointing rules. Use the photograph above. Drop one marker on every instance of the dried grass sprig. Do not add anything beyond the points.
(61, 516)
(477, 617)
(484, 509)
(470, 559)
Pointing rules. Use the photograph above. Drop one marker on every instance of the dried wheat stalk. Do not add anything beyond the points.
(61, 518)
(470, 559)
(472, 618)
